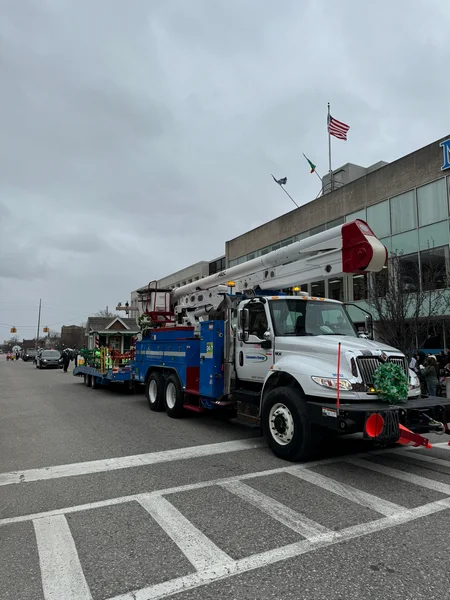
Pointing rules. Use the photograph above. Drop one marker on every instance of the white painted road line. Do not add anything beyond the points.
(198, 549)
(195, 580)
(281, 513)
(125, 462)
(429, 484)
(439, 462)
(61, 572)
(365, 499)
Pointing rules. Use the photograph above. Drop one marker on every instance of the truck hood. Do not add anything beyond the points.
(327, 345)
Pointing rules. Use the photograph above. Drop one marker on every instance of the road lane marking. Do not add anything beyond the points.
(199, 550)
(256, 561)
(276, 510)
(440, 462)
(424, 482)
(349, 492)
(125, 462)
(161, 492)
(61, 572)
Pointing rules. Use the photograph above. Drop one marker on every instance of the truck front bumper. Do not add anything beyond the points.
(415, 414)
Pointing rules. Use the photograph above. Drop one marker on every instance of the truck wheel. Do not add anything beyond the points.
(154, 391)
(88, 380)
(286, 426)
(94, 382)
(173, 397)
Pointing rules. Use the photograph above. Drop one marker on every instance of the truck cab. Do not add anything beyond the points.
(299, 337)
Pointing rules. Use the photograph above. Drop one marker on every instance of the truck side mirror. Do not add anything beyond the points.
(368, 321)
(244, 323)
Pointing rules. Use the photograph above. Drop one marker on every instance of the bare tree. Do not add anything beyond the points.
(407, 298)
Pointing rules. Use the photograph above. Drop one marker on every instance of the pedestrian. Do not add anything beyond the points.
(66, 360)
(431, 374)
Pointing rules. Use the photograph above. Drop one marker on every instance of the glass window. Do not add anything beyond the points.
(251, 255)
(335, 223)
(432, 202)
(317, 229)
(359, 214)
(301, 236)
(359, 287)
(403, 212)
(318, 289)
(378, 219)
(405, 242)
(275, 246)
(409, 272)
(433, 236)
(287, 242)
(265, 251)
(380, 283)
(336, 289)
(233, 262)
(297, 317)
(434, 268)
(387, 242)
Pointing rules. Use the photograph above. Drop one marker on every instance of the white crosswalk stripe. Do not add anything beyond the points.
(279, 512)
(201, 552)
(62, 568)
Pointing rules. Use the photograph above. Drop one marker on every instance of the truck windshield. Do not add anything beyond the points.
(298, 317)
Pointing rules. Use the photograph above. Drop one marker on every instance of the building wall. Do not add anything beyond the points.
(411, 171)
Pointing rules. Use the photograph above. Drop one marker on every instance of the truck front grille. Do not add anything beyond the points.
(369, 364)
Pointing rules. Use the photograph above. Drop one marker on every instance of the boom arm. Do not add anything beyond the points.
(348, 248)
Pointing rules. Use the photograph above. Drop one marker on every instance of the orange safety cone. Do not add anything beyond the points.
(407, 436)
(374, 425)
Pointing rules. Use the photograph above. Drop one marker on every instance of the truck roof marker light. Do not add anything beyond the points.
(296, 288)
(231, 284)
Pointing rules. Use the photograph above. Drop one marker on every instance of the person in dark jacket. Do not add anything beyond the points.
(66, 360)
(431, 374)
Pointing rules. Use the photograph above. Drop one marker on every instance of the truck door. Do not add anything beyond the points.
(252, 360)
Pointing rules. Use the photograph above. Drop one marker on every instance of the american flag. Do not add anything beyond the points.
(337, 128)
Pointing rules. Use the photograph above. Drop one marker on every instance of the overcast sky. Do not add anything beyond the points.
(137, 136)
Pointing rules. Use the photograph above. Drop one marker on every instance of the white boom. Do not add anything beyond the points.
(348, 248)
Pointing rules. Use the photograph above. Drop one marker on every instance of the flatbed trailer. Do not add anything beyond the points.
(94, 377)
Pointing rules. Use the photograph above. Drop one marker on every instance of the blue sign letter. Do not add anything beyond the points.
(446, 148)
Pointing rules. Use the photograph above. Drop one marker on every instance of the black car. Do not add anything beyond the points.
(48, 358)
(29, 355)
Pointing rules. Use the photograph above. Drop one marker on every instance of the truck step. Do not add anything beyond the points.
(248, 413)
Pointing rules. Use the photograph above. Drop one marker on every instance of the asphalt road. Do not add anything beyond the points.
(101, 499)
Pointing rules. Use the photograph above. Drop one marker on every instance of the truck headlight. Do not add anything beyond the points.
(332, 383)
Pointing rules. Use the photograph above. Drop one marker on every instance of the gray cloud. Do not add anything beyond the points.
(138, 137)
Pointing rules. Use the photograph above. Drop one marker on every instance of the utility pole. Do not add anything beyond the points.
(39, 323)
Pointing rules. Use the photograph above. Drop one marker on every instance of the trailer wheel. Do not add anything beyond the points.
(88, 381)
(85, 379)
(286, 426)
(154, 391)
(94, 382)
(173, 397)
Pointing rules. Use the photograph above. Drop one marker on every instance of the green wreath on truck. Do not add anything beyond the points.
(391, 383)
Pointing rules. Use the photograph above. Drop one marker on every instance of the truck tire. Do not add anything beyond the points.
(154, 392)
(173, 397)
(286, 426)
(94, 382)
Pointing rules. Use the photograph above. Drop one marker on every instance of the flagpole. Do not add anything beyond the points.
(314, 169)
(285, 191)
(329, 149)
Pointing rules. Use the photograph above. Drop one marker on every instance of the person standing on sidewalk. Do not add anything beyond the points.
(431, 374)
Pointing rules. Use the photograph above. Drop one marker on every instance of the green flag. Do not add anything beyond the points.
(312, 165)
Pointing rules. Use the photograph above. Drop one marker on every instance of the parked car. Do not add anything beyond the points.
(48, 358)
(29, 355)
